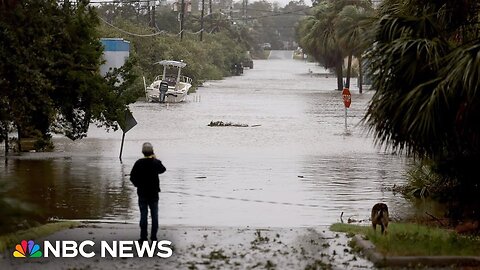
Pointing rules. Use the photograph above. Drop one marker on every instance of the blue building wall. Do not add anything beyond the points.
(116, 52)
(115, 44)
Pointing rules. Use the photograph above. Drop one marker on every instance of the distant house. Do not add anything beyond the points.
(116, 52)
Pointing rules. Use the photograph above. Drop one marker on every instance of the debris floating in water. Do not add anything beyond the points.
(225, 124)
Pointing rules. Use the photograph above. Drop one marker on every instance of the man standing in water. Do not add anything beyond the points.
(144, 176)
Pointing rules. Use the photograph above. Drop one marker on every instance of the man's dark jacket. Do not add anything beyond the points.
(144, 176)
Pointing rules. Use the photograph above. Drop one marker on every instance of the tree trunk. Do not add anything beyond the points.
(19, 145)
(6, 142)
(6, 145)
(339, 71)
(349, 71)
(360, 75)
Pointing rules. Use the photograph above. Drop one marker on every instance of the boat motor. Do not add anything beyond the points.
(163, 91)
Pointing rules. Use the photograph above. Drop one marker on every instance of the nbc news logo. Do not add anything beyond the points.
(114, 249)
(27, 250)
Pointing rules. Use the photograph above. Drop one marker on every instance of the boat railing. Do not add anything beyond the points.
(183, 79)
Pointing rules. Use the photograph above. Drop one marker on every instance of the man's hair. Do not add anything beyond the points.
(147, 149)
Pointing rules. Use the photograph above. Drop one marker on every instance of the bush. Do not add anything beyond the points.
(207, 60)
(426, 179)
(423, 181)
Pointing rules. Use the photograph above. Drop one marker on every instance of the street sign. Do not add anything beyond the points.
(129, 123)
(347, 97)
(347, 100)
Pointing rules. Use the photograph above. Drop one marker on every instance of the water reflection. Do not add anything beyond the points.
(70, 188)
(300, 154)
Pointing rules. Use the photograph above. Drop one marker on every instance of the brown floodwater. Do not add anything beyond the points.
(298, 166)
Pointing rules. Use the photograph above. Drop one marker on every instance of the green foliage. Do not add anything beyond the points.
(50, 56)
(424, 66)
(406, 239)
(268, 23)
(207, 60)
(125, 88)
(265, 23)
(318, 37)
(335, 30)
(424, 181)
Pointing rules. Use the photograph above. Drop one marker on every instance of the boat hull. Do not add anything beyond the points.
(173, 95)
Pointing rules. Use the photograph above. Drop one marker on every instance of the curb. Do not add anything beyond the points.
(380, 260)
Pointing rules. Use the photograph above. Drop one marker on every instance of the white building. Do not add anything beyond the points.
(116, 52)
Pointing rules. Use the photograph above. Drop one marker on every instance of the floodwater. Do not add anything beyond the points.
(298, 167)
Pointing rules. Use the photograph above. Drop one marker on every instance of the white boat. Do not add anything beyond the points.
(169, 87)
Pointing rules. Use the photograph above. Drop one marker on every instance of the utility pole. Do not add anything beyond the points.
(154, 25)
(245, 5)
(149, 12)
(182, 16)
(201, 21)
(210, 14)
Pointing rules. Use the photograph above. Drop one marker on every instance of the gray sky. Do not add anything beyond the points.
(282, 3)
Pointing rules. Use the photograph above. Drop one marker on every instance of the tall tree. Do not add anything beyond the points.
(319, 39)
(333, 32)
(50, 56)
(354, 34)
(424, 66)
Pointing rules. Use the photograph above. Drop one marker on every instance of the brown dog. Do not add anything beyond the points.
(380, 217)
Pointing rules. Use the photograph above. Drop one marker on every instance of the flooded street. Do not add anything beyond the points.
(298, 167)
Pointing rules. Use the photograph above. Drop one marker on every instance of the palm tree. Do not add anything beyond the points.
(425, 68)
(321, 38)
(353, 28)
(318, 38)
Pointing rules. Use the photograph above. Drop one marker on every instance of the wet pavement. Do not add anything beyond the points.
(205, 248)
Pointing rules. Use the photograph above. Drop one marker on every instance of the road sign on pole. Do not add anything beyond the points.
(347, 97)
(128, 123)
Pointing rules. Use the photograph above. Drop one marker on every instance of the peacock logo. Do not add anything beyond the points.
(27, 250)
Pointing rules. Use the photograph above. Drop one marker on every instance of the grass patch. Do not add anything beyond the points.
(8, 241)
(407, 239)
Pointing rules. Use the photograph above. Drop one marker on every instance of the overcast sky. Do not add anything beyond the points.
(282, 3)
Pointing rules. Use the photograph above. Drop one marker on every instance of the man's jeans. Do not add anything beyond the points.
(144, 204)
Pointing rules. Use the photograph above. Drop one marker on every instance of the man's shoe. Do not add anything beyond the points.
(142, 240)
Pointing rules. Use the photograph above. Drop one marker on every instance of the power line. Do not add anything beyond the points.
(279, 14)
(130, 33)
(120, 2)
(293, 12)
(150, 35)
